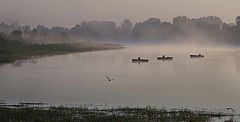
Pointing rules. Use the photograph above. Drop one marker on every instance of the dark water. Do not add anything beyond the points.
(80, 78)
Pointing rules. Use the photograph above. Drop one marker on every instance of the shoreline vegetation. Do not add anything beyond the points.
(37, 112)
(17, 49)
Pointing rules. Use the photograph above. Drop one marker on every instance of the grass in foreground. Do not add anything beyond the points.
(83, 114)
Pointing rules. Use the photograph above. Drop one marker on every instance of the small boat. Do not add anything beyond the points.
(139, 60)
(197, 56)
(165, 58)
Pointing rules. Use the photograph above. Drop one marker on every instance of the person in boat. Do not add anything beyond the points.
(163, 56)
(138, 58)
(199, 54)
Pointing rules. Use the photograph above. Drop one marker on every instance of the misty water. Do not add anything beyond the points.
(80, 78)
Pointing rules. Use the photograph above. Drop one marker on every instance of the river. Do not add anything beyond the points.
(80, 78)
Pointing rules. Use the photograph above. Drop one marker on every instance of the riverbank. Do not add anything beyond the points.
(26, 112)
(12, 50)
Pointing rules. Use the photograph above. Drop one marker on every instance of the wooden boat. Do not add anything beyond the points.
(197, 56)
(165, 58)
(139, 60)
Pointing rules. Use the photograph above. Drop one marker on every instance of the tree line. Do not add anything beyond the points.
(153, 29)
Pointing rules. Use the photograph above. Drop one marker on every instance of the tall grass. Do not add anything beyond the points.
(84, 114)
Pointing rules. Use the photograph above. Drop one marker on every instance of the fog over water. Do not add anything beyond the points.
(120, 53)
(80, 78)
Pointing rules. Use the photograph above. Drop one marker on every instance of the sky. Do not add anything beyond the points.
(68, 13)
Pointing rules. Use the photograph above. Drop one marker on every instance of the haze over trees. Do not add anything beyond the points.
(210, 29)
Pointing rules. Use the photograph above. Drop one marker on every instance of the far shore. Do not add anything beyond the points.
(11, 51)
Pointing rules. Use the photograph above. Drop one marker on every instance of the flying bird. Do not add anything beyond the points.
(109, 79)
(230, 109)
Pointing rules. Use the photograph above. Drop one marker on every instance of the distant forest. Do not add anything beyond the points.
(182, 28)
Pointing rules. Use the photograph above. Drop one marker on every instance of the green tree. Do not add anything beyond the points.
(17, 34)
(237, 21)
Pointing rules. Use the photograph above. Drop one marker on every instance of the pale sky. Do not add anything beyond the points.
(70, 12)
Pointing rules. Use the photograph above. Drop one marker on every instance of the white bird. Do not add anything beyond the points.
(109, 79)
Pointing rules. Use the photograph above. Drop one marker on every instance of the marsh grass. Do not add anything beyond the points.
(84, 114)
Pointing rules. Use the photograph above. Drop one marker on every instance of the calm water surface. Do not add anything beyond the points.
(80, 78)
